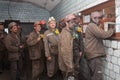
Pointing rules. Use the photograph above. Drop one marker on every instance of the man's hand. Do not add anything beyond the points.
(39, 38)
(21, 46)
(80, 54)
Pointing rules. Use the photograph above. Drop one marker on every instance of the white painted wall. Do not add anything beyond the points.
(25, 12)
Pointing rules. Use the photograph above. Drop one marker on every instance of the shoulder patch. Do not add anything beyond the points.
(49, 34)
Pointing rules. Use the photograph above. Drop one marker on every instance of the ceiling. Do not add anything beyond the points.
(47, 4)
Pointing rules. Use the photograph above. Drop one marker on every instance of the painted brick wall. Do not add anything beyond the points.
(25, 12)
(72, 6)
(111, 66)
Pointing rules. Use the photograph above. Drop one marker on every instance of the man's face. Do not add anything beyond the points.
(52, 24)
(14, 29)
(37, 28)
(1, 27)
(72, 24)
(77, 20)
(96, 17)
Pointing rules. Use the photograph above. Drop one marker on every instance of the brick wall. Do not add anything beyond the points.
(25, 12)
(111, 66)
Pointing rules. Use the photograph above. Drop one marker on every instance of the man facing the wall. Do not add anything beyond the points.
(94, 36)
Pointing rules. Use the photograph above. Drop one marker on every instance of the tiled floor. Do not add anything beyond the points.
(6, 76)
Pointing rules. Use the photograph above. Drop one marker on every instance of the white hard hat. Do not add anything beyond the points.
(51, 19)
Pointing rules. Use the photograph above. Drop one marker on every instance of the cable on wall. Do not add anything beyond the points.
(10, 17)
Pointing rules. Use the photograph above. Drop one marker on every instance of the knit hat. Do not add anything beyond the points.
(36, 23)
(12, 24)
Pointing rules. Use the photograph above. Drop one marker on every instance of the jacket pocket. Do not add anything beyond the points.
(32, 54)
(53, 49)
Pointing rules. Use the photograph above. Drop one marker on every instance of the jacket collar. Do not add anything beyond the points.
(15, 37)
(35, 32)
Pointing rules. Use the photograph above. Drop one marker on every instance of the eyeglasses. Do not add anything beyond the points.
(97, 17)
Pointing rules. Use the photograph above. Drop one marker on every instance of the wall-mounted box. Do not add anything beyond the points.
(108, 25)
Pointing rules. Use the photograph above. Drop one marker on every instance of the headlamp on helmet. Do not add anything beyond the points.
(51, 19)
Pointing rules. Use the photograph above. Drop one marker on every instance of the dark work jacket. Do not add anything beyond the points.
(12, 44)
(94, 36)
(2, 40)
(34, 45)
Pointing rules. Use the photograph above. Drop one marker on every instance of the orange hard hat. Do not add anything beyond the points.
(42, 22)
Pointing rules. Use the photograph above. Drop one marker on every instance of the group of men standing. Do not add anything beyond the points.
(62, 49)
(53, 42)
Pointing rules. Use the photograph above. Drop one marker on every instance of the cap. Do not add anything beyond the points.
(12, 24)
(62, 23)
(51, 19)
(36, 23)
(69, 17)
